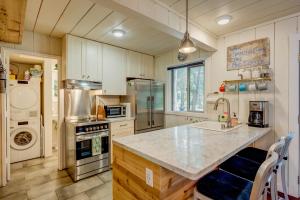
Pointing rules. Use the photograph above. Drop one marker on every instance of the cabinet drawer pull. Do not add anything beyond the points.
(123, 125)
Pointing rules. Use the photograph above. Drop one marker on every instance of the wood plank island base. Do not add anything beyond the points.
(166, 164)
(129, 180)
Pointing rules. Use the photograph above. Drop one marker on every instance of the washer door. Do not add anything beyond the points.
(23, 97)
(23, 138)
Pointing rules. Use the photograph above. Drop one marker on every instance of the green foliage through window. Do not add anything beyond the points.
(188, 88)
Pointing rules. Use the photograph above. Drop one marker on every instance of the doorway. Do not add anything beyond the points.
(294, 110)
(32, 109)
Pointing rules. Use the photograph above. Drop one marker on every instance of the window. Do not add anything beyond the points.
(188, 88)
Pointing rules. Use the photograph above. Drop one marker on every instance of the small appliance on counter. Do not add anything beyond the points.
(113, 111)
(128, 109)
(258, 114)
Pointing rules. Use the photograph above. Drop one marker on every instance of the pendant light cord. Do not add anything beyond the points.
(187, 15)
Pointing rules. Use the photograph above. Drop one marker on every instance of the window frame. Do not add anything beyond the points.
(188, 66)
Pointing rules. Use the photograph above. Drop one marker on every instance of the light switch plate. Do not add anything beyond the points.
(149, 177)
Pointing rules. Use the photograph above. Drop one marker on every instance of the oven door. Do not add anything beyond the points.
(100, 144)
(83, 149)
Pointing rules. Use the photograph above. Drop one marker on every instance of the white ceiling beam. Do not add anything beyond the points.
(163, 18)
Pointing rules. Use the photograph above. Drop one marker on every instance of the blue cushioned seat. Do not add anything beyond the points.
(221, 185)
(251, 153)
(241, 167)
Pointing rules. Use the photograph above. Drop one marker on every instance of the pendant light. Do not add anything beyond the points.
(187, 45)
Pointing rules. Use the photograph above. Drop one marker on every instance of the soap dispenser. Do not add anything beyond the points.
(234, 120)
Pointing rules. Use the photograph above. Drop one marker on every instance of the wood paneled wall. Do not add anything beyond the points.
(278, 94)
(12, 15)
(129, 180)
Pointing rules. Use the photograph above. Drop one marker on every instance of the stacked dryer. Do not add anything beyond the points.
(25, 115)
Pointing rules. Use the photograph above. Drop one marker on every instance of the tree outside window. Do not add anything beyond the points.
(188, 88)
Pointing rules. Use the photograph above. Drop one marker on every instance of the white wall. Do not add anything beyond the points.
(278, 94)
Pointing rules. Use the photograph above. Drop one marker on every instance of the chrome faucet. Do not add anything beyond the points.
(228, 123)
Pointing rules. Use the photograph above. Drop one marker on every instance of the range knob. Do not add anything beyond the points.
(97, 127)
(90, 129)
(94, 128)
(86, 129)
(101, 127)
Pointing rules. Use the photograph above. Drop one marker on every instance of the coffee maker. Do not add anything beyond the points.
(258, 114)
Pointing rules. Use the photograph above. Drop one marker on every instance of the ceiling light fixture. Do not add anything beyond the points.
(187, 45)
(118, 33)
(223, 20)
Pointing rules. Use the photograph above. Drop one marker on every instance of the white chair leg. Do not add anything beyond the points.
(272, 187)
(283, 180)
(275, 186)
(195, 194)
(265, 195)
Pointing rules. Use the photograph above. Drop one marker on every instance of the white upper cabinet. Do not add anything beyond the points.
(73, 58)
(114, 70)
(134, 64)
(139, 65)
(83, 60)
(92, 62)
(147, 69)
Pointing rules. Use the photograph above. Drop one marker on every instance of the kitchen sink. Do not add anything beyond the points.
(213, 126)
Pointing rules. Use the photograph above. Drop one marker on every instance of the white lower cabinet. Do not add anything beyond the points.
(120, 129)
(173, 120)
(114, 71)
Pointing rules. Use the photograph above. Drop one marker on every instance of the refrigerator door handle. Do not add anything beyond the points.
(149, 110)
(152, 106)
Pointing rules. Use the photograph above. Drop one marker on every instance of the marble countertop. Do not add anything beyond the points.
(190, 152)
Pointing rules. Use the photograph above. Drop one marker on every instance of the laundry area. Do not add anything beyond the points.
(32, 126)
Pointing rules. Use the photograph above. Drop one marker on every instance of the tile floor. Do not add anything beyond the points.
(40, 179)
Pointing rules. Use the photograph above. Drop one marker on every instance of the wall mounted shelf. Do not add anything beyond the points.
(247, 80)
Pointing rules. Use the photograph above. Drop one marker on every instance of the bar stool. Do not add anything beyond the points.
(221, 185)
(259, 155)
(247, 168)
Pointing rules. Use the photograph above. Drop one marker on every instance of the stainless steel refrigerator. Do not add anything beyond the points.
(147, 104)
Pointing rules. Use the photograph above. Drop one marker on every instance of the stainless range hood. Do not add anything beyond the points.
(84, 85)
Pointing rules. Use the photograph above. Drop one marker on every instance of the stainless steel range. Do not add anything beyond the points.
(87, 148)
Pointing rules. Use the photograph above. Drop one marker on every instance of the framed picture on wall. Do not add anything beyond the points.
(249, 54)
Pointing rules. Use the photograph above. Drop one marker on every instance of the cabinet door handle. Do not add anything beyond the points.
(88, 77)
(83, 76)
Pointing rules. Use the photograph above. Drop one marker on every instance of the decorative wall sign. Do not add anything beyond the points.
(250, 54)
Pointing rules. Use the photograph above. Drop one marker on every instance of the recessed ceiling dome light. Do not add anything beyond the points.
(118, 33)
(225, 19)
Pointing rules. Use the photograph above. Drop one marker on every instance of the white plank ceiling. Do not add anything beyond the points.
(245, 13)
(86, 19)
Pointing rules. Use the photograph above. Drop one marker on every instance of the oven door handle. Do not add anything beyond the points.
(86, 137)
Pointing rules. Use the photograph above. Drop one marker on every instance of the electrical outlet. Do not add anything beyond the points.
(149, 177)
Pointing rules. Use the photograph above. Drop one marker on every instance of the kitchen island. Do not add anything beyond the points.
(166, 164)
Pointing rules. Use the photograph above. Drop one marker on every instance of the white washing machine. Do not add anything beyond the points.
(25, 140)
(25, 99)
